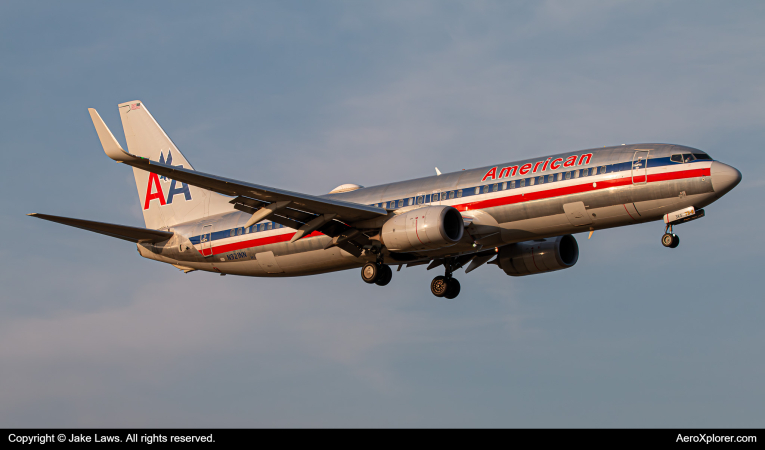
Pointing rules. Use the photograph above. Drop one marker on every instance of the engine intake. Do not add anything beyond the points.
(426, 228)
(544, 255)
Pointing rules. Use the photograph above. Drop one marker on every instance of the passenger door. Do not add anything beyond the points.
(640, 167)
(206, 240)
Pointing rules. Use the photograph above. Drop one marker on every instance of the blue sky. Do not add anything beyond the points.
(310, 95)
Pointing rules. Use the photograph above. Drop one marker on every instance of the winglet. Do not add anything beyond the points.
(112, 148)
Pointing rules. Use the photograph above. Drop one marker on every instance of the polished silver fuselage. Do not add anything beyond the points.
(638, 184)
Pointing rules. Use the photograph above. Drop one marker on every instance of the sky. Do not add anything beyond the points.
(306, 96)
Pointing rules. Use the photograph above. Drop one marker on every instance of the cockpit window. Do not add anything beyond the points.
(687, 157)
(702, 156)
(676, 158)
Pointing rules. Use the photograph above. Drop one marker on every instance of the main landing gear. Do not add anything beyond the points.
(670, 239)
(445, 286)
(376, 273)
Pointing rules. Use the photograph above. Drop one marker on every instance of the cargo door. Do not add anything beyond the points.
(267, 262)
(577, 214)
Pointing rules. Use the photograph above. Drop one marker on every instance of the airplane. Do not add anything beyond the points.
(519, 216)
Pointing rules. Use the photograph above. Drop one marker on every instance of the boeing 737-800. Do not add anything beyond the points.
(519, 216)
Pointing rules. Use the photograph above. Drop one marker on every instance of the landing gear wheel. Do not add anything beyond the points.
(675, 241)
(370, 272)
(439, 286)
(385, 275)
(452, 288)
(668, 239)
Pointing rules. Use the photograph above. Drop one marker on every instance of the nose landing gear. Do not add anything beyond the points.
(670, 239)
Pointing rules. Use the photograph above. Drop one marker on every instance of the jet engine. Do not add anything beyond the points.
(542, 255)
(426, 228)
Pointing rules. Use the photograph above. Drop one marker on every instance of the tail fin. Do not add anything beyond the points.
(164, 202)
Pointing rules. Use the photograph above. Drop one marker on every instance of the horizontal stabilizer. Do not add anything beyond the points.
(132, 234)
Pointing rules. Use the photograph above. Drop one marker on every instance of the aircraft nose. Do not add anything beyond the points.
(724, 177)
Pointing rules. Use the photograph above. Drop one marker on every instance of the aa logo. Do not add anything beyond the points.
(154, 189)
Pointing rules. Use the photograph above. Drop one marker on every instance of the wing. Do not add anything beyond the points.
(132, 234)
(313, 205)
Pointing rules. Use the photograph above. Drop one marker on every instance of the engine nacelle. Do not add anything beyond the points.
(426, 228)
(544, 255)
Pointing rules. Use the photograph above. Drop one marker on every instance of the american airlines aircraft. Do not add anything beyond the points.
(519, 216)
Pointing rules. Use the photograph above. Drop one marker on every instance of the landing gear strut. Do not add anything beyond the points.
(445, 286)
(376, 273)
(670, 239)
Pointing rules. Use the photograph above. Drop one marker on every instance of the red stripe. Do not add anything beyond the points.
(493, 202)
(257, 242)
(577, 189)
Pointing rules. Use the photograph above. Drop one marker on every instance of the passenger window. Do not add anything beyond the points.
(268, 225)
(420, 199)
(521, 183)
(602, 170)
(550, 178)
(231, 233)
(459, 193)
(529, 182)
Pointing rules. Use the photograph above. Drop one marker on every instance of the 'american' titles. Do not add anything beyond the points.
(555, 164)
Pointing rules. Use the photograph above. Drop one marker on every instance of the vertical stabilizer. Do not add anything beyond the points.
(164, 202)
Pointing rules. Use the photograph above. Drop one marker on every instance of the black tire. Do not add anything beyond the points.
(439, 286)
(386, 274)
(667, 240)
(452, 289)
(370, 272)
(675, 241)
